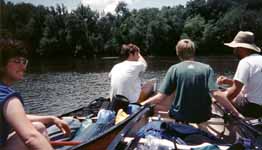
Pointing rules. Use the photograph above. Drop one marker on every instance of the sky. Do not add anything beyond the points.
(105, 5)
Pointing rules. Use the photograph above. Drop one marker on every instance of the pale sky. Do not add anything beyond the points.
(105, 5)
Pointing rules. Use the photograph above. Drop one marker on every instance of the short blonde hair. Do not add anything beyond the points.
(185, 49)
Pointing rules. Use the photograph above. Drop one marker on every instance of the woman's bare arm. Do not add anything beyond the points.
(15, 115)
(49, 120)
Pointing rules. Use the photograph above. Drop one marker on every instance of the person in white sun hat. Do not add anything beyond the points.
(245, 88)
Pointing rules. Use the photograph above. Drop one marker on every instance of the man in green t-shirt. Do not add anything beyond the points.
(193, 83)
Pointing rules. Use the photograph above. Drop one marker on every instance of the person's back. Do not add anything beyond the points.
(125, 76)
(244, 90)
(192, 102)
(125, 79)
(252, 78)
(189, 85)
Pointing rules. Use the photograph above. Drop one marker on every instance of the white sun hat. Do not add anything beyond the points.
(244, 39)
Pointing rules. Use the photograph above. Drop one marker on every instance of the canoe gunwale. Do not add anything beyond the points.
(102, 100)
(119, 141)
(144, 113)
(119, 126)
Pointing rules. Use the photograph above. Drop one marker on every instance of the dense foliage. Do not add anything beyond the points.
(84, 33)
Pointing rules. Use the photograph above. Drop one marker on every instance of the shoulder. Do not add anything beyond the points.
(116, 66)
(245, 62)
(141, 64)
(202, 64)
(134, 64)
(173, 68)
(6, 92)
(250, 59)
(195, 63)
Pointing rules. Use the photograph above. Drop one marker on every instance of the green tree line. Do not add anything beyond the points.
(84, 33)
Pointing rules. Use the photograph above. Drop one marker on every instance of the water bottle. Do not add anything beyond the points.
(85, 124)
(105, 116)
(149, 144)
(132, 108)
(155, 143)
(152, 142)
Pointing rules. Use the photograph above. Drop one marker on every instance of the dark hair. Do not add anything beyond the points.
(9, 49)
(127, 49)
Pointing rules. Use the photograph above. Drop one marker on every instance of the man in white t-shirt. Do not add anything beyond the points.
(245, 88)
(125, 76)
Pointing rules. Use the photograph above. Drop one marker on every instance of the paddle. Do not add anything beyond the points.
(239, 120)
(64, 143)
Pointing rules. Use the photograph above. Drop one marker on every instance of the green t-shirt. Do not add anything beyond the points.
(192, 81)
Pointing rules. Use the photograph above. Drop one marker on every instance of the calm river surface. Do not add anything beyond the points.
(55, 89)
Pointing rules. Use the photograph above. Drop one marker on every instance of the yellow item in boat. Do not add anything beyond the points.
(120, 116)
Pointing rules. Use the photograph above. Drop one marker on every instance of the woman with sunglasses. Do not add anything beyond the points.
(19, 130)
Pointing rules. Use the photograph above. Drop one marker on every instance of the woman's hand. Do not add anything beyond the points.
(62, 125)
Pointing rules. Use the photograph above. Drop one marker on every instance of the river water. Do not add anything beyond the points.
(56, 89)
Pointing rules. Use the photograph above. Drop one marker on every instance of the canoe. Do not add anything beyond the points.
(131, 128)
(128, 138)
(91, 109)
(99, 141)
(74, 118)
(248, 130)
(102, 141)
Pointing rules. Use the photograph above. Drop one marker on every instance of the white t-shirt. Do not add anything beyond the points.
(249, 72)
(125, 79)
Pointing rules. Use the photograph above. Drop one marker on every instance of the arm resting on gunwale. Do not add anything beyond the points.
(49, 120)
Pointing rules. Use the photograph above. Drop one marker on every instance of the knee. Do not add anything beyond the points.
(40, 127)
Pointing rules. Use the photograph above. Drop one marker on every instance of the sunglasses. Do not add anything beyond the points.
(22, 61)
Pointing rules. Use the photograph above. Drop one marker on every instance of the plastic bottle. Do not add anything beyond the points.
(155, 143)
(85, 124)
(105, 116)
(152, 142)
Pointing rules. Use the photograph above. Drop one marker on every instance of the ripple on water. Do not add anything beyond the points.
(57, 93)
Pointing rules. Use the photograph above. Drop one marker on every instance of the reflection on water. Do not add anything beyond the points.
(60, 88)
